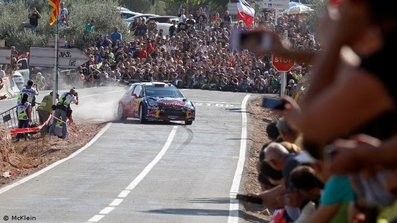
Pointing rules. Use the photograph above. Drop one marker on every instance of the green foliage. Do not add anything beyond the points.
(14, 13)
(104, 15)
(11, 29)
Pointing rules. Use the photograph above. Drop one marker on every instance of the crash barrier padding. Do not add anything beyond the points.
(34, 129)
(30, 129)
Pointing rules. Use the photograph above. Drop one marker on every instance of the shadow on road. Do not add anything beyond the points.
(136, 122)
(220, 200)
(205, 212)
(238, 110)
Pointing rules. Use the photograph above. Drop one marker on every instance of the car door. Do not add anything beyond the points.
(125, 101)
(136, 100)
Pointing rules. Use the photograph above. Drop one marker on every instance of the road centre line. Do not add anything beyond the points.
(124, 193)
(38, 173)
(234, 206)
(213, 102)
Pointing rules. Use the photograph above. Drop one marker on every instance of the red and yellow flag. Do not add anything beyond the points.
(54, 11)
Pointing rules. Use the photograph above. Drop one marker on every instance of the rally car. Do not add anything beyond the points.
(156, 101)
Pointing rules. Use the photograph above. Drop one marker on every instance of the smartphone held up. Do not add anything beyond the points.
(275, 103)
(253, 41)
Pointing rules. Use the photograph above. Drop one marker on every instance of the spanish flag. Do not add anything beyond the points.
(54, 11)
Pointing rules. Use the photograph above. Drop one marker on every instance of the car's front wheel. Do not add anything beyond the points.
(142, 115)
(188, 122)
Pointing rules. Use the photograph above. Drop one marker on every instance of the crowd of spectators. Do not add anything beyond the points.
(194, 54)
(332, 158)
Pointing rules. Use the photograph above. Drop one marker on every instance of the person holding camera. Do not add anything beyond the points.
(34, 19)
(63, 112)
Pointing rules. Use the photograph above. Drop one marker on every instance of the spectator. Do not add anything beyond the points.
(190, 22)
(89, 26)
(14, 52)
(34, 19)
(286, 132)
(227, 20)
(2, 72)
(181, 16)
(201, 19)
(116, 36)
(40, 81)
(141, 29)
(63, 15)
(1, 86)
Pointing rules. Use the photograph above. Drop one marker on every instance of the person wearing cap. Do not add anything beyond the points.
(63, 112)
(44, 110)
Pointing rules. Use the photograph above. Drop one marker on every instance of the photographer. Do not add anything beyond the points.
(63, 112)
(34, 19)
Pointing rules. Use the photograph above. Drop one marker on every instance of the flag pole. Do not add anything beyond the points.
(55, 77)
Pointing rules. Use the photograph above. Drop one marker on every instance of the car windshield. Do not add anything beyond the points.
(169, 92)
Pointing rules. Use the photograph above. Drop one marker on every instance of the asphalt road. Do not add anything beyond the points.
(159, 172)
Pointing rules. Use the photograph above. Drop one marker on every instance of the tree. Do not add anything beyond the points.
(14, 13)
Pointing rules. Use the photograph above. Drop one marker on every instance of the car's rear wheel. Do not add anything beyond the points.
(188, 122)
(120, 113)
(142, 115)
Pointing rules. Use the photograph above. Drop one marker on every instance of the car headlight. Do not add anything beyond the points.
(189, 105)
(152, 103)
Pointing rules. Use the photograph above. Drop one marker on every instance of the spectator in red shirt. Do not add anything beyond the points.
(142, 52)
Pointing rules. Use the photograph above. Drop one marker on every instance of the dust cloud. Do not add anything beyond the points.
(97, 108)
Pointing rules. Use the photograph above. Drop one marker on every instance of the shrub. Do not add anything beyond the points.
(14, 13)
(105, 16)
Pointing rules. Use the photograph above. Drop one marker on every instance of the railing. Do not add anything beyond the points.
(9, 119)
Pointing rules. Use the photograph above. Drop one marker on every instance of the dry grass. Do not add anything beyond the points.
(258, 120)
(25, 157)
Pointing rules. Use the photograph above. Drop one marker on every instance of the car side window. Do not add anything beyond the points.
(137, 90)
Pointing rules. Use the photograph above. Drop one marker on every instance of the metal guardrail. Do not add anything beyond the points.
(9, 118)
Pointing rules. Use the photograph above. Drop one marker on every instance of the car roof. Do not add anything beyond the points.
(164, 17)
(155, 84)
(141, 16)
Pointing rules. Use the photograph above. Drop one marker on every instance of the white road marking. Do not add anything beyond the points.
(124, 193)
(116, 202)
(234, 203)
(96, 218)
(213, 104)
(38, 173)
(107, 210)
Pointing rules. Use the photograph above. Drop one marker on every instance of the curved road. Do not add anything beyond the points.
(139, 173)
